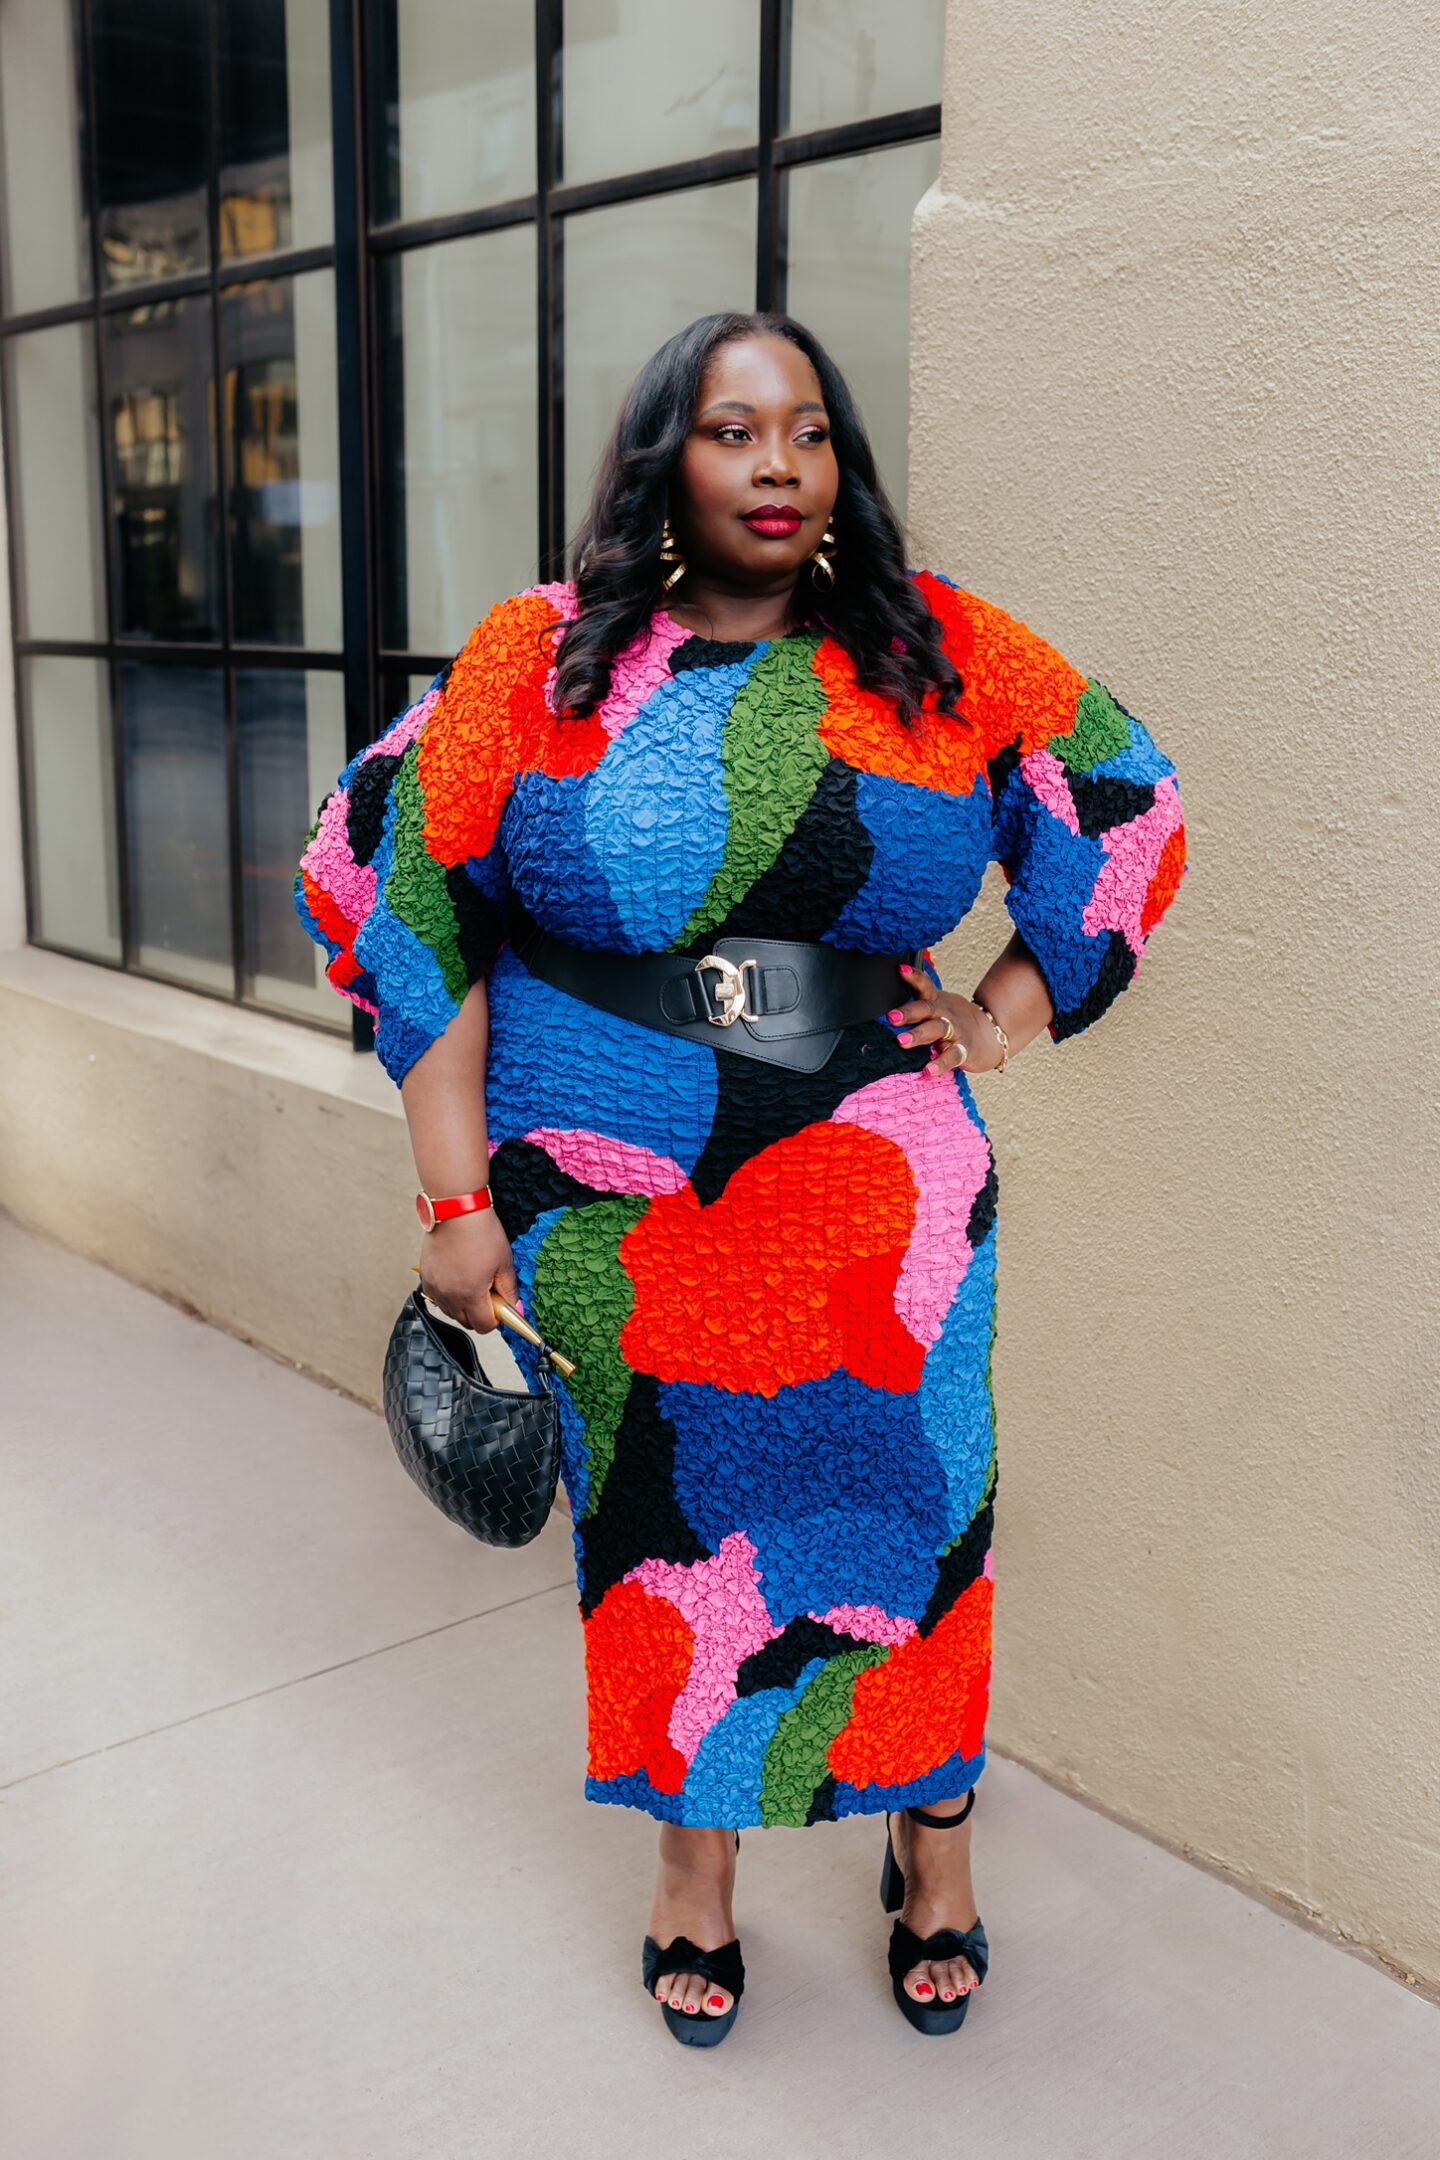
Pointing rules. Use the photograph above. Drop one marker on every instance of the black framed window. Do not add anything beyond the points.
(313, 317)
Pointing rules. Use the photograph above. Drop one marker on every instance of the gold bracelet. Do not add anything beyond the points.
(1000, 1032)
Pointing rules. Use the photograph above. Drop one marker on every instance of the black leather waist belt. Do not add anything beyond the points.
(779, 999)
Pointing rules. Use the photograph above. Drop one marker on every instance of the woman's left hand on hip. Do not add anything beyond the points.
(922, 1020)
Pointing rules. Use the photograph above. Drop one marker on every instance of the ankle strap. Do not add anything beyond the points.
(942, 1822)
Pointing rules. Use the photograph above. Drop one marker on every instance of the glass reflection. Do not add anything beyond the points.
(454, 118)
(173, 731)
(459, 429)
(283, 459)
(291, 725)
(159, 390)
(705, 238)
(275, 156)
(47, 226)
(640, 91)
(851, 60)
(849, 280)
(56, 521)
(72, 805)
(150, 138)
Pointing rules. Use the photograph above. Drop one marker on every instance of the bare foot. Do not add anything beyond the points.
(938, 1894)
(692, 1897)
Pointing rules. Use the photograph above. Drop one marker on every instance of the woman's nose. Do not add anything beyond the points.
(775, 466)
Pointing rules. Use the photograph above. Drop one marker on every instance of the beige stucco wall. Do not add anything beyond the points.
(1174, 405)
(255, 1171)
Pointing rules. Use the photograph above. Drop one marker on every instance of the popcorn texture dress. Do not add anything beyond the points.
(779, 1287)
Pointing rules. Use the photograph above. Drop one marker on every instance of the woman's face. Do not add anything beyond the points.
(758, 479)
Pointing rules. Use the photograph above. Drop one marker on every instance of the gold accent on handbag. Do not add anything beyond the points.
(510, 1318)
(822, 566)
(670, 553)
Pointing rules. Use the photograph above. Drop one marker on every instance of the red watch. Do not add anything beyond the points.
(432, 1212)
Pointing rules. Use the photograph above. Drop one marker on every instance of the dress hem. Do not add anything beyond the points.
(952, 1781)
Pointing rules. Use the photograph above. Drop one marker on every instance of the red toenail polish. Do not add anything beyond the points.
(924, 1988)
(691, 2008)
(715, 2002)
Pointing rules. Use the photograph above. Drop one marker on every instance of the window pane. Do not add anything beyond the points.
(454, 124)
(852, 59)
(283, 453)
(72, 805)
(705, 240)
(292, 747)
(56, 520)
(150, 101)
(850, 282)
(179, 833)
(275, 159)
(47, 232)
(643, 89)
(458, 520)
(158, 389)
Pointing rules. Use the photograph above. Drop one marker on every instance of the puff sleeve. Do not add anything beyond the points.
(1088, 830)
(404, 879)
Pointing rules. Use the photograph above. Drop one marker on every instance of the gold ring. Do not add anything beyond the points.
(949, 1035)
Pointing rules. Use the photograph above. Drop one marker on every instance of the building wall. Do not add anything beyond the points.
(1174, 405)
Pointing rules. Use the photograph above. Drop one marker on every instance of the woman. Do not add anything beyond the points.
(745, 721)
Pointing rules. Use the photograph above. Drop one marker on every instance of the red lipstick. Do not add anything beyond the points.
(774, 521)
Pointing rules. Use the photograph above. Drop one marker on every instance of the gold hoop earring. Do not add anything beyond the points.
(670, 553)
(822, 566)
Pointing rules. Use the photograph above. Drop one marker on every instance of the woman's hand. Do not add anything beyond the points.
(460, 1260)
(924, 1019)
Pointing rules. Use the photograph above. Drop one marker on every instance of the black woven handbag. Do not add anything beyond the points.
(488, 1457)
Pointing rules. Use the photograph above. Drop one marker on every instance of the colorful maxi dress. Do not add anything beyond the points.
(779, 1287)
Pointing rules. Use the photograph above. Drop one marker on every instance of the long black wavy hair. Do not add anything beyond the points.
(875, 610)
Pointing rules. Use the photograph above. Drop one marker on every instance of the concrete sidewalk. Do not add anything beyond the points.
(294, 1863)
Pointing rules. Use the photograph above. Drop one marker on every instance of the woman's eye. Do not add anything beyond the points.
(732, 428)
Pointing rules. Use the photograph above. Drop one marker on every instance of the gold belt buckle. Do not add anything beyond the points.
(730, 990)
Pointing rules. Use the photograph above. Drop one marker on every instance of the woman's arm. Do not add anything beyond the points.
(1012, 988)
(444, 1098)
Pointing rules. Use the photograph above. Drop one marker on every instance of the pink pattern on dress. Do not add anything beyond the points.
(637, 672)
(949, 1159)
(1132, 851)
(607, 1164)
(404, 731)
(1045, 775)
(868, 1623)
(331, 864)
(721, 1600)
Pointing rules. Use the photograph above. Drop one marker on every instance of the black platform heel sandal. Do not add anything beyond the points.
(907, 1949)
(722, 1968)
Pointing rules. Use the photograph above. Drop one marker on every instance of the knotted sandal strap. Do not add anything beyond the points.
(907, 1949)
(723, 1967)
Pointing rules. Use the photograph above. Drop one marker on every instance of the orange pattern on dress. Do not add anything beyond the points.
(480, 733)
(708, 1306)
(638, 1653)
(1015, 684)
(925, 1704)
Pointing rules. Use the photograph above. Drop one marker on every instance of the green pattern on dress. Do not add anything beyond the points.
(582, 1299)
(416, 888)
(772, 757)
(1101, 731)
(796, 1759)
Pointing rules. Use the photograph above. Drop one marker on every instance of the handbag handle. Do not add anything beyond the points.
(510, 1318)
